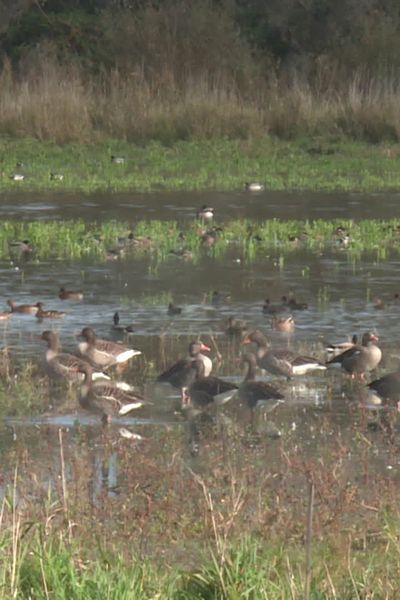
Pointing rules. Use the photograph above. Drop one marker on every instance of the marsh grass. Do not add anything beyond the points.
(171, 241)
(217, 164)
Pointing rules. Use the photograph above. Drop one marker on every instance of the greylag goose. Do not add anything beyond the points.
(360, 358)
(281, 362)
(205, 391)
(103, 353)
(386, 387)
(181, 374)
(107, 399)
(253, 392)
(63, 365)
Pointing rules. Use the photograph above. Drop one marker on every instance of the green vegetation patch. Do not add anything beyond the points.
(199, 165)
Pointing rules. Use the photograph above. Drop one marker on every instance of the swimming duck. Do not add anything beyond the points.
(64, 294)
(123, 328)
(173, 310)
(281, 362)
(253, 392)
(283, 323)
(48, 314)
(292, 303)
(181, 374)
(270, 309)
(64, 365)
(253, 186)
(106, 399)
(205, 212)
(103, 353)
(26, 309)
(205, 391)
(360, 359)
(219, 298)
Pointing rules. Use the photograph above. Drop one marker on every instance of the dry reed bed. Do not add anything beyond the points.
(63, 104)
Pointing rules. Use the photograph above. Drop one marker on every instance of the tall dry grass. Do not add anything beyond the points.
(53, 102)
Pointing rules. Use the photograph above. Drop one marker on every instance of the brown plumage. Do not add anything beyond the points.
(252, 392)
(26, 309)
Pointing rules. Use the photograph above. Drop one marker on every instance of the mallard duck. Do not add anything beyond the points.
(107, 399)
(253, 392)
(64, 294)
(173, 310)
(48, 314)
(284, 323)
(122, 328)
(205, 212)
(103, 353)
(335, 349)
(253, 186)
(26, 309)
(281, 362)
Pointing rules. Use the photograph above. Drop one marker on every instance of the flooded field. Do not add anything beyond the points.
(164, 465)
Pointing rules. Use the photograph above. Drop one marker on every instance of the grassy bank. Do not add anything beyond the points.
(239, 533)
(314, 164)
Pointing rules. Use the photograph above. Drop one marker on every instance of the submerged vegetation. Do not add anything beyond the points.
(167, 240)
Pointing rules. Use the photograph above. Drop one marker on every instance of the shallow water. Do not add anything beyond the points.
(339, 294)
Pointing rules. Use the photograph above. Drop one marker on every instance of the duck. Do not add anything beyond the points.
(281, 362)
(63, 365)
(26, 309)
(17, 176)
(386, 388)
(341, 236)
(253, 186)
(206, 391)
(103, 353)
(379, 304)
(181, 374)
(205, 212)
(360, 359)
(4, 315)
(209, 237)
(252, 392)
(48, 314)
(117, 160)
(64, 294)
(235, 328)
(22, 246)
(340, 347)
(293, 304)
(285, 324)
(173, 310)
(122, 328)
(270, 309)
(56, 176)
(106, 399)
(218, 298)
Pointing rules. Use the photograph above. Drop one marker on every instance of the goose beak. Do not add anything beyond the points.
(205, 347)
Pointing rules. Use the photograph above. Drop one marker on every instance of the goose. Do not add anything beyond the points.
(386, 388)
(26, 309)
(281, 362)
(205, 391)
(107, 399)
(103, 353)
(181, 374)
(63, 365)
(252, 392)
(360, 359)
